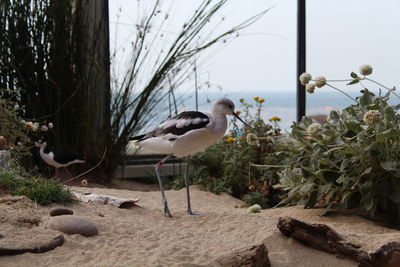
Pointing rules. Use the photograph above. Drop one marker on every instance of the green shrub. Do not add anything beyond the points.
(12, 130)
(351, 161)
(38, 189)
(16, 134)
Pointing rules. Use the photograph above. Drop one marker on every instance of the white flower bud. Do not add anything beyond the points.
(35, 127)
(310, 88)
(365, 69)
(50, 125)
(313, 129)
(251, 139)
(372, 117)
(305, 78)
(320, 81)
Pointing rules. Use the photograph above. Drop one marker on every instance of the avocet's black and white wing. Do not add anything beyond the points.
(177, 126)
(171, 137)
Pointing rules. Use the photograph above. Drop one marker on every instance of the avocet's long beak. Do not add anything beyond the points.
(237, 117)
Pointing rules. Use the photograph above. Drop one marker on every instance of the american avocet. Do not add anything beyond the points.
(186, 134)
(58, 158)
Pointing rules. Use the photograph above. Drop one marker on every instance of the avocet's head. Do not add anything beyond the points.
(41, 143)
(227, 107)
(223, 106)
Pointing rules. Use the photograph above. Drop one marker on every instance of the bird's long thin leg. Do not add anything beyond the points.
(187, 182)
(68, 172)
(57, 176)
(167, 213)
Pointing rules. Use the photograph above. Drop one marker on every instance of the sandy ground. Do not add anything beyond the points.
(142, 236)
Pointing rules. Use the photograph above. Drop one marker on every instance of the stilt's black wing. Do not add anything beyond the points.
(64, 157)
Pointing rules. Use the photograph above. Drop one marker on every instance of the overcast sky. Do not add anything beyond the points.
(341, 35)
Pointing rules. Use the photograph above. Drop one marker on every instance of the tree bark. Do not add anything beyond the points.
(93, 73)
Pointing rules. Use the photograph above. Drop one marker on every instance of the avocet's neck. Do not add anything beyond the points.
(220, 121)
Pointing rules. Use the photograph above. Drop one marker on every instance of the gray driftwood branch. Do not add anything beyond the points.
(323, 237)
(55, 242)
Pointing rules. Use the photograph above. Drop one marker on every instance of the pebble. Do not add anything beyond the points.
(60, 211)
(254, 209)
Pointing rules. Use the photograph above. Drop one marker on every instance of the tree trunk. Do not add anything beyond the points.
(93, 73)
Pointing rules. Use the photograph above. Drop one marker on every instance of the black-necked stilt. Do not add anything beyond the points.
(58, 158)
(186, 134)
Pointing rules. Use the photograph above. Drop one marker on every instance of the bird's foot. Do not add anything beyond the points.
(167, 213)
(190, 212)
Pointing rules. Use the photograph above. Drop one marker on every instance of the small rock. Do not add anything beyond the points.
(60, 211)
(254, 209)
(72, 225)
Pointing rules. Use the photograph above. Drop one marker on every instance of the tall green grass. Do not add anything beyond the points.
(42, 191)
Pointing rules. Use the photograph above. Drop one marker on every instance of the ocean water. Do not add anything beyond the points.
(281, 104)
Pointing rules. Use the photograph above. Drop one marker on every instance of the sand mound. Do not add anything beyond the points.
(142, 236)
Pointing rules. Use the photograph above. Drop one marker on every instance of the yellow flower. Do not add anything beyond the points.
(256, 98)
(275, 118)
(261, 100)
(230, 139)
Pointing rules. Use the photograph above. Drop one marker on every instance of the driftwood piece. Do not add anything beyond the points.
(319, 236)
(107, 200)
(323, 237)
(56, 242)
(386, 256)
(255, 256)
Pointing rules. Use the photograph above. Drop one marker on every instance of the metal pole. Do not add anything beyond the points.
(196, 89)
(301, 57)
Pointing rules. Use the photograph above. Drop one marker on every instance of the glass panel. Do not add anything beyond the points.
(341, 36)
